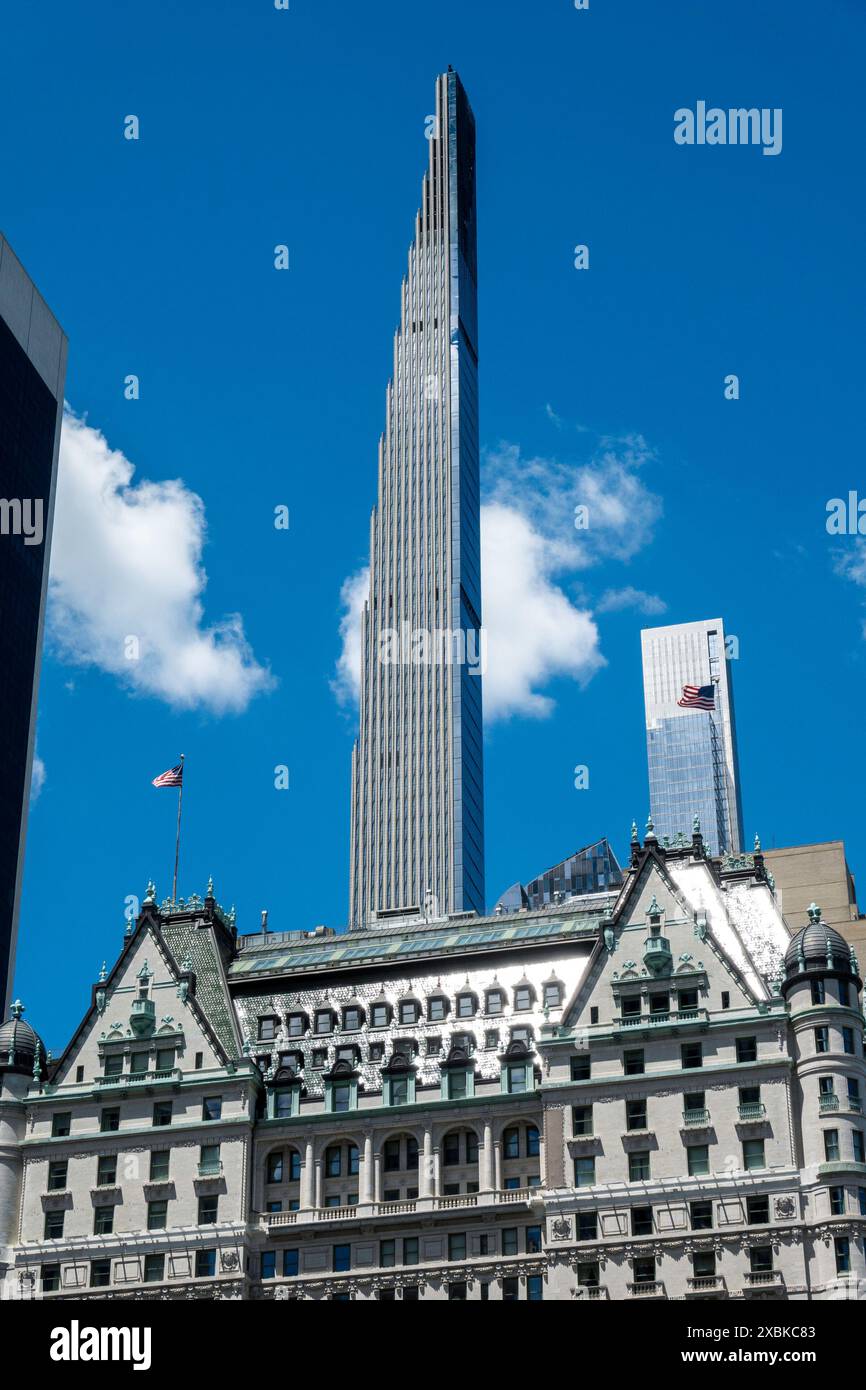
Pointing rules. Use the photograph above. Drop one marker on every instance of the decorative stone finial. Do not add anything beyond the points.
(650, 827)
(103, 973)
(757, 844)
(815, 914)
(634, 834)
(209, 893)
(17, 1010)
(127, 931)
(696, 825)
(150, 895)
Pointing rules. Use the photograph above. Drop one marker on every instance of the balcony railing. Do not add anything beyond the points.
(696, 1118)
(211, 1168)
(647, 1289)
(763, 1277)
(668, 1019)
(827, 1103)
(133, 1078)
(593, 1292)
(755, 1111)
(854, 1103)
(706, 1283)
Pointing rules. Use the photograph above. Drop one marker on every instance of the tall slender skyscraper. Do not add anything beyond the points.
(32, 373)
(417, 839)
(691, 748)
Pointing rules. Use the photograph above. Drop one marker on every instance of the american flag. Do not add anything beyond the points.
(172, 778)
(698, 697)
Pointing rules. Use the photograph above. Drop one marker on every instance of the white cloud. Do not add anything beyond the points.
(616, 600)
(852, 565)
(534, 632)
(37, 778)
(353, 595)
(126, 568)
(530, 547)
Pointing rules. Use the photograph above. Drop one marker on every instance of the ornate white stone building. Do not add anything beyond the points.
(652, 1094)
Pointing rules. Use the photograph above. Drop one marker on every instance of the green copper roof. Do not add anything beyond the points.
(357, 948)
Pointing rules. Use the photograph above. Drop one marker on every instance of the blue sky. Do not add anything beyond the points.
(262, 388)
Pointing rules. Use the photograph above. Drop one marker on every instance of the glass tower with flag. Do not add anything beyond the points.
(417, 826)
(691, 733)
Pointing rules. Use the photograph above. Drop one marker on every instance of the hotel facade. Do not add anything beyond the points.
(655, 1094)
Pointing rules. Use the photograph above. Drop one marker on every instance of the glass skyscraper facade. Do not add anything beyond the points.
(417, 825)
(32, 373)
(593, 869)
(692, 753)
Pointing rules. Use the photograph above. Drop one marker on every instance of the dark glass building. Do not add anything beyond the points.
(32, 373)
(593, 869)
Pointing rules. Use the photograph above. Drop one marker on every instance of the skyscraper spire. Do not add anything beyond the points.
(417, 841)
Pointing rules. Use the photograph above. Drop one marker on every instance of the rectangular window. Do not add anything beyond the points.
(587, 1225)
(493, 1001)
(635, 1114)
(114, 1065)
(409, 1013)
(747, 1049)
(154, 1269)
(533, 1240)
(387, 1254)
(274, 1170)
(831, 1145)
(109, 1121)
(704, 1264)
(822, 1040)
(517, 1080)
(859, 1148)
(456, 1293)
(659, 1005)
(410, 1250)
(456, 1247)
(57, 1171)
(698, 1160)
(100, 1273)
(106, 1170)
(861, 1199)
(758, 1211)
(687, 1000)
(631, 1008)
(509, 1241)
(753, 1154)
(208, 1208)
(581, 1067)
(54, 1224)
(837, 1201)
(639, 1166)
(157, 1215)
(645, 1271)
(209, 1162)
(297, 1025)
(701, 1214)
(534, 1288)
(103, 1220)
(341, 1098)
(854, 1101)
(334, 1162)
(159, 1165)
(633, 1062)
(138, 1063)
(587, 1274)
(692, 1056)
(848, 1041)
(522, 998)
(400, 1088)
(584, 1172)
(694, 1102)
(269, 1264)
(726, 999)
(552, 996)
(342, 1259)
(212, 1108)
(205, 1264)
(844, 994)
(162, 1113)
(641, 1221)
(819, 992)
(291, 1264)
(466, 1006)
(165, 1059)
(581, 1121)
(268, 1029)
(843, 1255)
(61, 1124)
(761, 1259)
(437, 1009)
(510, 1290)
(750, 1095)
(325, 1021)
(351, 1020)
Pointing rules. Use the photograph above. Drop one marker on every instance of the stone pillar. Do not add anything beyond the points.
(377, 1187)
(367, 1187)
(308, 1180)
(318, 1202)
(437, 1173)
(498, 1166)
(425, 1175)
(488, 1173)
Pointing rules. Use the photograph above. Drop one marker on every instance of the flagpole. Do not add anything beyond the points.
(177, 841)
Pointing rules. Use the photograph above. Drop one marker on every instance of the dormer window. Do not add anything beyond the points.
(493, 1002)
(410, 1011)
(268, 1028)
(437, 1008)
(296, 1025)
(467, 1005)
(522, 1036)
(324, 1021)
(380, 1015)
(353, 1018)
(553, 995)
(523, 998)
